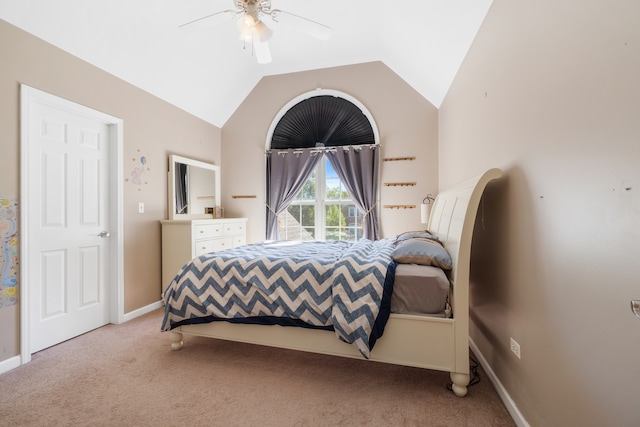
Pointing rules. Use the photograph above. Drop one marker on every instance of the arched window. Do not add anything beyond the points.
(322, 170)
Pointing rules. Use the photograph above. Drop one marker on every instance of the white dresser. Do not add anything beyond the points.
(183, 240)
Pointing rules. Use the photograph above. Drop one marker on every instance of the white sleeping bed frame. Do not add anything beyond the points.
(409, 340)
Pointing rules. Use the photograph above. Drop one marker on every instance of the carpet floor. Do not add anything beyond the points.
(126, 375)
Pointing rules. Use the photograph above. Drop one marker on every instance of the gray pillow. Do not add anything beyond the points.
(413, 234)
(423, 252)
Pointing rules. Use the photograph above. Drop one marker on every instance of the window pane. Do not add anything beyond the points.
(333, 216)
(344, 195)
(332, 182)
(332, 233)
(308, 213)
(294, 211)
(352, 215)
(308, 192)
(309, 234)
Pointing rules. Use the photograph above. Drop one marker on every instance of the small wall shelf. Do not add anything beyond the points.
(399, 184)
(244, 197)
(399, 206)
(395, 159)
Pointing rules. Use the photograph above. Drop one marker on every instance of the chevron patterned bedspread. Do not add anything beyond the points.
(345, 287)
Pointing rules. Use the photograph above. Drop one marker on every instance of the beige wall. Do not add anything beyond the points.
(152, 128)
(549, 92)
(407, 124)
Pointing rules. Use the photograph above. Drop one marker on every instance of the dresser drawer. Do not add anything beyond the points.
(233, 228)
(213, 245)
(222, 244)
(206, 231)
(239, 241)
(204, 247)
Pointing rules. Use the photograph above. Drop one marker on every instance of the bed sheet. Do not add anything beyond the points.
(420, 289)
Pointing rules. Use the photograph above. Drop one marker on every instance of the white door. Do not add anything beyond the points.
(67, 222)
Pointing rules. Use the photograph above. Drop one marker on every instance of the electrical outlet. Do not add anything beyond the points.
(515, 348)
(141, 207)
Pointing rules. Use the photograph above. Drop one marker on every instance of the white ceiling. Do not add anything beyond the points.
(208, 73)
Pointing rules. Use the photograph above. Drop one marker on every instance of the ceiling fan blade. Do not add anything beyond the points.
(262, 51)
(312, 28)
(209, 20)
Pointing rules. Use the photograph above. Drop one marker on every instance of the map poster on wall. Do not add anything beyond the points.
(8, 251)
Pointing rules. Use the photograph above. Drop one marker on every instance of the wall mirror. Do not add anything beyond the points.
(194, 188)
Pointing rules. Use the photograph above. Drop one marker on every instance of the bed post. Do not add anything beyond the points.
(460, 382)
(176, 340)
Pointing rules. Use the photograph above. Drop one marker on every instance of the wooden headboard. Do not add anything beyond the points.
(452, 218)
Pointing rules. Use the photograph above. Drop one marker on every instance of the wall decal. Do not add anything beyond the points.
(8, 251)
(138, 171)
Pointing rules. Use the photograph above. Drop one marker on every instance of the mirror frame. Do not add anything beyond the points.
(173, 159)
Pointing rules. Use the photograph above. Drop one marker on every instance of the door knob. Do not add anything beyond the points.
(104, 234)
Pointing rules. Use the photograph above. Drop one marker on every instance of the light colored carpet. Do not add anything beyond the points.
(126, 375)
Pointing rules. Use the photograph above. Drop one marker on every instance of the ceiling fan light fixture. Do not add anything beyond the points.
(264, 33)
(254, 32)
(246, 24)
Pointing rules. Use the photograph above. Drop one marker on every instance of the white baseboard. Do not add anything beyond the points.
(141, 311)
(9, 364)
(502, 392)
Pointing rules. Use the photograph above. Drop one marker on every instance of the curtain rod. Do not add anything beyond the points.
(314, 150)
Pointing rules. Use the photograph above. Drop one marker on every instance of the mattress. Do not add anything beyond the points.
(420, 289)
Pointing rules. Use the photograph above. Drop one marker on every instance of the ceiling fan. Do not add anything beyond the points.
(249, 15)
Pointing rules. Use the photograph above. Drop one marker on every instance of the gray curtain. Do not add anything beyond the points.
(358, 169)
(181, 188)
(287, 171)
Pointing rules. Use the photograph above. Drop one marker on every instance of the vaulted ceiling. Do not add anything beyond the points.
(208, 72)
